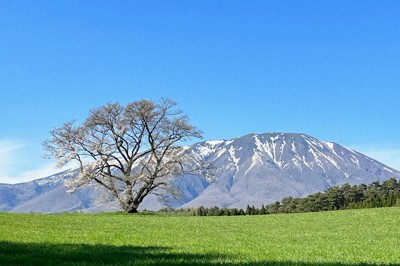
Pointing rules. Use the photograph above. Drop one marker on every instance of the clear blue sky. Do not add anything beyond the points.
(330, 69)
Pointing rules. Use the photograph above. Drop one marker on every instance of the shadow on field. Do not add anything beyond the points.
(12, 253)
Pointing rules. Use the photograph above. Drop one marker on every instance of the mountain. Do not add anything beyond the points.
(254, 169)
(45, 195)
(263, 168)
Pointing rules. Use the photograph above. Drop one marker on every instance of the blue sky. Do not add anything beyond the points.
(326, 68)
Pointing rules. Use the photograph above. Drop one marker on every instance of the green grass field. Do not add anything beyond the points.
(356, 237)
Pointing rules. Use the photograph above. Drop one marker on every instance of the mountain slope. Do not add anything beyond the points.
(254, 169)
(257, 169)
(45, 195)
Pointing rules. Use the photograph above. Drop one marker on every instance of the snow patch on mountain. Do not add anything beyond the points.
(253, 169)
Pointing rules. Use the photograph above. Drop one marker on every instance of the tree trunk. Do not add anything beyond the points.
(131, 210)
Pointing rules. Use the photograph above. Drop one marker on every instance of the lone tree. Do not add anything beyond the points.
(131, 151)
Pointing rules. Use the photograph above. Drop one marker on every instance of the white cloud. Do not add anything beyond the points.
(19, 164)
(8, 150)
(28, 175)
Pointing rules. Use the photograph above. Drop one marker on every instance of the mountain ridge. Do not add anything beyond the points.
(300, 157)
(253, 169)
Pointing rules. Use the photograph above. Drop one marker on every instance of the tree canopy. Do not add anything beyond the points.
(130, 151)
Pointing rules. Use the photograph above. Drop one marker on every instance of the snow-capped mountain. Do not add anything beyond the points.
(263, 168)
(45, 195)
(254, 169)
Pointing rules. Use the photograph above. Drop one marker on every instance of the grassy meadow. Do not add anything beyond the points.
(353, 237)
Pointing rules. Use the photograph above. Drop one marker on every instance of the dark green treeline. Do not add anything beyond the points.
(374, 195)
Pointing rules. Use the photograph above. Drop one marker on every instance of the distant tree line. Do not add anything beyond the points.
(374, 195)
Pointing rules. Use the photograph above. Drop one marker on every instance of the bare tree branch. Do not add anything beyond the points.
(131, 151)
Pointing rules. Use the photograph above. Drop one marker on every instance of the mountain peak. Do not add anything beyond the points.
(262, 168)
(253, 169)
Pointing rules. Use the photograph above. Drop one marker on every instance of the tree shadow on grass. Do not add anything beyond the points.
(12, 253)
